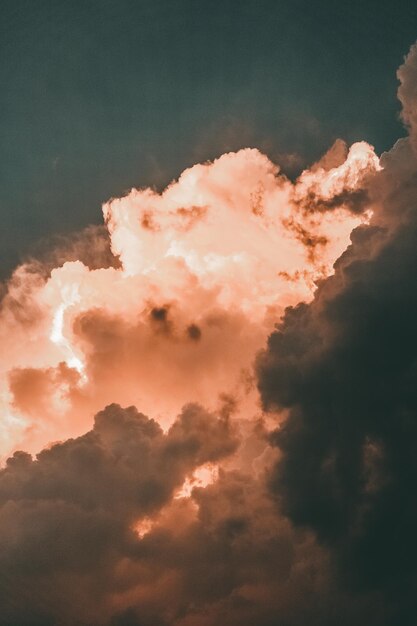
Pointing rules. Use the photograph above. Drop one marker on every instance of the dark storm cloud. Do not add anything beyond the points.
(345, 367)
(239, 564)
(69, 554)
(66, 517)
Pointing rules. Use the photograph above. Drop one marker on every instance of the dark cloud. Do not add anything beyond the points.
(67, 517)
(72, 550)
(70, 554)
(345, 369)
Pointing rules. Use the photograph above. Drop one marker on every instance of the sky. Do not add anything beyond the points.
(208, 364)
(114, 95)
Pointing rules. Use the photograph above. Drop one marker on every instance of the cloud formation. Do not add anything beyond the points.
(344, 369)
(268, 480)
(95, 531)
(68, 517)
(172, 302)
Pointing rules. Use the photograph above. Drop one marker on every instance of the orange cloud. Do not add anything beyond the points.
(201, 273)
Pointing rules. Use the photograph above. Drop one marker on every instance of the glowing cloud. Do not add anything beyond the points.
(206, 268)
(269, 478)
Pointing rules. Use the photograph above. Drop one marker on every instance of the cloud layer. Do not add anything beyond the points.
(280, 494)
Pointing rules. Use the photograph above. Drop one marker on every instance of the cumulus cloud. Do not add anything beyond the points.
(171, 303)
(344, 369)
(94, 531)
(269, 489)
(68, 518)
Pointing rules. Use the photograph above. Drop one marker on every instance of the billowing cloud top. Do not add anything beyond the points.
(200, 274)
(266, 329)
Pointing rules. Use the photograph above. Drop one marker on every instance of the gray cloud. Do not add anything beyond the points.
(66, 517)
(345, 368)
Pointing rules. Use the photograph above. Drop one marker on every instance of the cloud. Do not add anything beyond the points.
(407, 92)
(344, 369)
(170, 301)
(91, 532)
(70, 513)
(269, 489)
